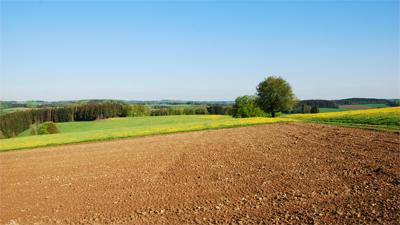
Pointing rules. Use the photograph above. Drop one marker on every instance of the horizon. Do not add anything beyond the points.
(197, 51)
(177, 100)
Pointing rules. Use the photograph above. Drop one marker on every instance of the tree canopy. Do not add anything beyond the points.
(274, 94)
(245, 106)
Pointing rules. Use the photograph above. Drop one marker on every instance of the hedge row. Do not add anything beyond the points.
(195, 110)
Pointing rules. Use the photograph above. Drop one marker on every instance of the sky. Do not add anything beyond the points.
(197, 50)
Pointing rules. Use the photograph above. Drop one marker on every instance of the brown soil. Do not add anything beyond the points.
(281, 173)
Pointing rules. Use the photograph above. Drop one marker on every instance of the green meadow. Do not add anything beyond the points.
(322, 110)
(75, 132)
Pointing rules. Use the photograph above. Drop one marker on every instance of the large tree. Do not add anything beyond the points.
(274, 94)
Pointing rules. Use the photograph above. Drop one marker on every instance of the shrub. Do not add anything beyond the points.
(34, 129)
(47, 128)
(52, 128)
(245, 106)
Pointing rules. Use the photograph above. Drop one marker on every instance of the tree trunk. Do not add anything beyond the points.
(273, 113)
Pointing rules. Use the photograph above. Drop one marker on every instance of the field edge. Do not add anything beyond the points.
(143, 135)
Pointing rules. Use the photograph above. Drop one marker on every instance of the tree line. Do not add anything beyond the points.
(349, 101)
(190, 110)
(318, 103)
(12, 124)
(358, 101)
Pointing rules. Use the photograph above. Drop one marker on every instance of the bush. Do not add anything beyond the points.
(245, 106)
(34, 129)
(47, 128)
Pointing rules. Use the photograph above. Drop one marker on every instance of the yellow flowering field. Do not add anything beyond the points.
(381, 117)
(75, 132)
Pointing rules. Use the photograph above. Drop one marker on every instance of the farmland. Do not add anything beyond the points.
(75, 132)
(341, 108)
(333, 109)
(384, 118)
(296, 168)
(199, 112)
(278, 173)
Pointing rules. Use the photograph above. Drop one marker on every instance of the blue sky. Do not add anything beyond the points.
(64, 50)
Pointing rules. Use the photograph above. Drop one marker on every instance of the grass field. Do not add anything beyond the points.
(375, 105)
(353, 107)
(75, 132)
(322, 110)
(140, 124)
(380, 118)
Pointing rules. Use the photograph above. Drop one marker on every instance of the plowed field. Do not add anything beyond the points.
(280, 173)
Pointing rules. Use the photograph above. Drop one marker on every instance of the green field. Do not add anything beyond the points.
(146, 122)
(380, 118)
(375, 105)
(322, 110)
(74, 132)
(340, 109)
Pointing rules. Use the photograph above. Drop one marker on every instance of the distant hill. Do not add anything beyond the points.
(319, 103)
(360, 101)
(349, 101)
(179, 102)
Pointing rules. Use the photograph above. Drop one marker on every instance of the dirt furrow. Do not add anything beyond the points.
(280, 173)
